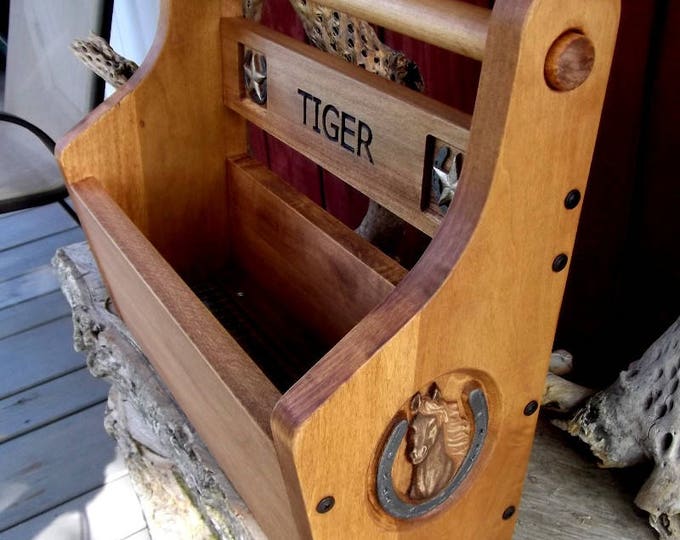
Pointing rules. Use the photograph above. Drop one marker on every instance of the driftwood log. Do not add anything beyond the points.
(182, 490)
(636, 420)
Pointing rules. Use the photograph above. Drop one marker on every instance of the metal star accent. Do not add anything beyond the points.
(444, 182)
(255, 76)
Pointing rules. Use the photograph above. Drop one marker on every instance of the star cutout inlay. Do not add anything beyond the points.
(255, 76)
(445, 182)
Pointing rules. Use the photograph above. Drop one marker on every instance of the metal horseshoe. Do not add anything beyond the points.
(387, 496)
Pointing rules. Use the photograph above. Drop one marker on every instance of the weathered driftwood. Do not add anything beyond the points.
(636, 420)
(97, 55)
(560, 394)
(183, 492)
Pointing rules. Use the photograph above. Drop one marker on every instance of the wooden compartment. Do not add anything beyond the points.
(293, 345)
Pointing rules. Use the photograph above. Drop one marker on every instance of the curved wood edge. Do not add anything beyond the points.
(110, 103)
(483, 300)
(223, 393)
(168, 179)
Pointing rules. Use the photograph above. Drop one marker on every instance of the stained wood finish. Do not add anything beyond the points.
(166, 170)
(217, 385)
(482, 303)
(392, 121)
(312, 264)
(483, 300)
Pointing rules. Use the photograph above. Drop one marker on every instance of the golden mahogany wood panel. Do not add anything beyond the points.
(157, 148)
(450, 24)
(479, 309)
(148, 147)
(318, 267)
(367, 131)
(213, 380)
(481, 306)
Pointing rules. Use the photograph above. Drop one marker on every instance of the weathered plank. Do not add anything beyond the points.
(33, 254)
(46, 403)
(566, 497)
(109, 513)
(31, 313)
(24, 365)
(35, 223)
(55, 464)
(37, 282)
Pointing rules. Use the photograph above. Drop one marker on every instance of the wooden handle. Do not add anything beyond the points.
(453, 25)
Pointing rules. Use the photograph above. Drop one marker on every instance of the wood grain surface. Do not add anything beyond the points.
(326, 276)
(148, 177)
(217, 385)
(396, 120)
(482, 302)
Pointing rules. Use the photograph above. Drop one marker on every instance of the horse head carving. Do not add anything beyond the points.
(438, 441)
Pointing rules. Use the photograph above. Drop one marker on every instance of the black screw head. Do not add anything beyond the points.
(325, 504)
(531, 408)
(509, 512)
(560, 262)
(572, 199)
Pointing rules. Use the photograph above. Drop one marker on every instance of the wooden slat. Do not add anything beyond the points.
(108, 513)
(567, 497)
(37, 282)
(396, 120)
(32, 313)
(46, 403)
(457, 26)
(322, 272)
(28, 256)
(39, 471)
(217, 385)
(24, 367)
(33, 224)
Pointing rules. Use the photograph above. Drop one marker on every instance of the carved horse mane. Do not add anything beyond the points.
(439, 440)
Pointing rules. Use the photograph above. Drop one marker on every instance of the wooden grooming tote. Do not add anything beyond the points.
(344, 396)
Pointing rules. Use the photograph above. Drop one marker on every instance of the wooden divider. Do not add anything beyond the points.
(325, 275)
(376, 143)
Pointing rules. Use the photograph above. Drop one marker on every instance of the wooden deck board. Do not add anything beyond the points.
(26, 257)
(108, 513)
(33, 224)
(46, 403)
(62, 461)
(32, 284)
(567, 497)
(25, 364)
(60, 477)
(33, 312)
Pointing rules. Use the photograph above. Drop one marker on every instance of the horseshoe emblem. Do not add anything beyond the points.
(387, 496)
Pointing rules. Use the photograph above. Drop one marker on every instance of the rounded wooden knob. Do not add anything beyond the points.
(569, 61)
